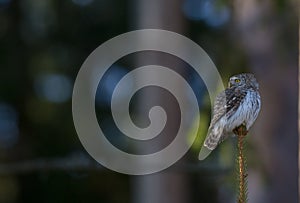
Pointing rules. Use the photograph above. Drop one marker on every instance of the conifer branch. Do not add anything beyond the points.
(241, 133)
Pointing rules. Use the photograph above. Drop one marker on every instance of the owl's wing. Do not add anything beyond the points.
(233, 100)
(227, 102)
(219, 108)
(225, 105)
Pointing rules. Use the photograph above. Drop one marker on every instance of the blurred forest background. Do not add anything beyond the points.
(43, 44)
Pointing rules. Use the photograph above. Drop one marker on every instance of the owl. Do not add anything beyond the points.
(238, 104)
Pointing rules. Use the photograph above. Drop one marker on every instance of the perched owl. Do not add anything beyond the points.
(238, 104)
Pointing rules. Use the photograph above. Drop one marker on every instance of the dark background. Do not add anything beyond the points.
(43, 44)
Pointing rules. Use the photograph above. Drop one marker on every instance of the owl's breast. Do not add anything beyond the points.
(246, 113)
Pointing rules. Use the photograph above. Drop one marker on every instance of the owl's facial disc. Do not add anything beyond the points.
(234, 81)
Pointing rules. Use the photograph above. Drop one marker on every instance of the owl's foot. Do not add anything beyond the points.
(240, 130)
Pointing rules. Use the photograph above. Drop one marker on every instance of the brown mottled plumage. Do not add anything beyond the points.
(238, 104)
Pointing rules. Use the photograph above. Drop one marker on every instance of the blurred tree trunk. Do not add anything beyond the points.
(275, 132)
(299, 106)
(167, 186)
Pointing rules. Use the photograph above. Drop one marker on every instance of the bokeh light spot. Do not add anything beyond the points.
(53, 87)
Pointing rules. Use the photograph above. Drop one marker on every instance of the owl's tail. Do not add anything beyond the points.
(212, 140)
(204, 152)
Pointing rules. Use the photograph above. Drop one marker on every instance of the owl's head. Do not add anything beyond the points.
(246, 80)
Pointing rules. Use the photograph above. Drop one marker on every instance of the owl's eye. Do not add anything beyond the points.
(237, 80)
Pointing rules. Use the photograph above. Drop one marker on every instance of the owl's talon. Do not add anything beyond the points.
(241, 130)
